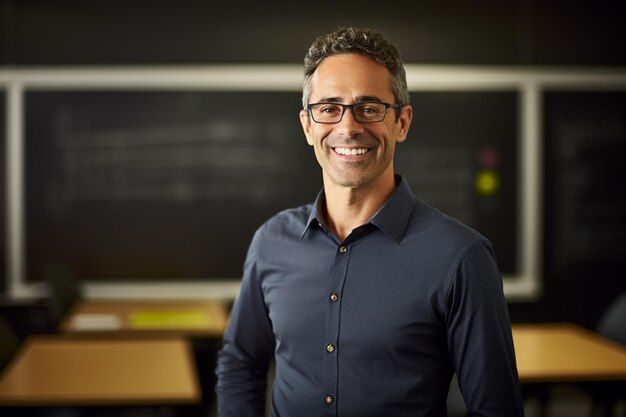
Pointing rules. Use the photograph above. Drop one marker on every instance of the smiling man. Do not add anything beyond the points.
(368, 299)
(356, 151)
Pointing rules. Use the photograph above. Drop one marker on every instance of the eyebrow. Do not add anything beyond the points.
(360, 99)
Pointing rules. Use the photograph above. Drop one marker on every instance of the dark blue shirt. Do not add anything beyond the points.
(374, 326)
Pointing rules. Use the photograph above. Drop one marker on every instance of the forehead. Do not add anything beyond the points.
(349, 76)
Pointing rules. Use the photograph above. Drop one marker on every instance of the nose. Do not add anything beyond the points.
(348, 124)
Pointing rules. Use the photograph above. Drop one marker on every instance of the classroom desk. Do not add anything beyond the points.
(61, 371)
(561, 352)
(184, 317)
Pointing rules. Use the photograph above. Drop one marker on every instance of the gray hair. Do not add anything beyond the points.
(366, 42)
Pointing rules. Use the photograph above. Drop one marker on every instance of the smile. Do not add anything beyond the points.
(353, 151)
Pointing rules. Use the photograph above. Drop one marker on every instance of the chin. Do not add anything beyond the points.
(352, 181)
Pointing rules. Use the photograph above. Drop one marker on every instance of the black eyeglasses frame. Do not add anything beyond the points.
(351, 107)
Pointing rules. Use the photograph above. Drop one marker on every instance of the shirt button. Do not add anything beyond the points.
(329, 399)
(334, 297)
(330, 348)
(343, 249)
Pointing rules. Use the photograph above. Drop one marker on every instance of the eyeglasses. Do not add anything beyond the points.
(365, 112)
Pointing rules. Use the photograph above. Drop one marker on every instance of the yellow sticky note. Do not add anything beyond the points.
(169, 319)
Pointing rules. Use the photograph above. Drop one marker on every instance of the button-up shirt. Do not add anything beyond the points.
(372, 326)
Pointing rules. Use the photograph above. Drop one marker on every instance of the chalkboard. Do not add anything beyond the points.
(585, 175)
(165, 185)
(158, 185)
(3, 193)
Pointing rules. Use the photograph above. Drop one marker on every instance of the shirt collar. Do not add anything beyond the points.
(314, 217)
(392, 218)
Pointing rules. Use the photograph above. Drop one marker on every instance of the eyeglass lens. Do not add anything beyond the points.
(333, 112)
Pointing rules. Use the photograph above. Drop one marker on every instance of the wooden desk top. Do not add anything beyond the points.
(55, 371)
(188, 317)
(566, 352)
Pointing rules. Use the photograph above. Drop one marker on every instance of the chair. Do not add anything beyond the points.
(455, 403)
(612, 323)
(8, 343)
(64, 291)
(26, 316)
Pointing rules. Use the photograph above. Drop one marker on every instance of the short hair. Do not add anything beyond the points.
(366, 42)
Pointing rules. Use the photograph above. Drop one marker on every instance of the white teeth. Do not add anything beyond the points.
(346, 151)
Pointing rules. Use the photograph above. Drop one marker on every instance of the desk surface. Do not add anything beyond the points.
(56, 371)
(566, 352)
(188, 317)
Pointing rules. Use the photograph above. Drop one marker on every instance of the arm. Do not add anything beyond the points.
(247, 348)
(479, 337)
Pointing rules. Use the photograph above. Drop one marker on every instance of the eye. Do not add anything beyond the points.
(370, 109)
(328, 109)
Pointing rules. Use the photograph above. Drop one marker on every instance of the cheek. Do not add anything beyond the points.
(318, 134)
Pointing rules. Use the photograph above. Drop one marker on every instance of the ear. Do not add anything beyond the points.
(404, 123)
(305, 121)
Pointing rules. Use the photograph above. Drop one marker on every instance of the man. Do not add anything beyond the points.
(368, 299)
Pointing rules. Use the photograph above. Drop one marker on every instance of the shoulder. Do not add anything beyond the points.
(448, 246)
(444, 233)
(468, 263)
(284, 224)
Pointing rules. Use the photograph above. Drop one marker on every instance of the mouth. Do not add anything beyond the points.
(351, 151)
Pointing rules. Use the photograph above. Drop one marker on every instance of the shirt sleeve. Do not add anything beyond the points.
(247, 349)
(480, 339)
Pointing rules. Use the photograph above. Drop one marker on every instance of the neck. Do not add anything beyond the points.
(348, 208)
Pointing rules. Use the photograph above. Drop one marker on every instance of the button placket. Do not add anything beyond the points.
(340, 270)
